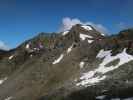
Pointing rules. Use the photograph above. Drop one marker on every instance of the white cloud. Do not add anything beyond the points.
(67, 23)
(3, 46)
(98, 27)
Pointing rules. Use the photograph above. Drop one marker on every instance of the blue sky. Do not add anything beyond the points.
(23, 19)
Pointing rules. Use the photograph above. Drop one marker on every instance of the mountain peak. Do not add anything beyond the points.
(69, 67)
(85, 29)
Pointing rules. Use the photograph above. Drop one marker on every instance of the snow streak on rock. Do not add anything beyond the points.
(69, 49)
(65, 33)
(82, 64)
(2, 80)
(27, 46)
(11, 57)
(101, 97)
(87, 27)
(87, 81)
(9, 98)
(84, 36)
(90, 41)
(59, 59)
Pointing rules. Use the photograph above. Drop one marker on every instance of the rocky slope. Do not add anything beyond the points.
(78, 64)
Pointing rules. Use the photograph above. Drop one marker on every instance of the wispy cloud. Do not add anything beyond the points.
(122, 25)
(68, 22)
(3, 46)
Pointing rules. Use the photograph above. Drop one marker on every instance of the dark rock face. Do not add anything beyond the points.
(67, 67)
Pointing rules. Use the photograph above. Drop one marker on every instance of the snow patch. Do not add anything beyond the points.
(102, 34)
(11, 57)
(89, 78)
(87, 81)
(69, 49)
(2, 80)
(103, 53)
(27, 46)
(59, 59)
(87, 75)
(101, 97)
(90, 41)
(84, 36)
(36, 49)
(8, 98)
(104, 90)
(123, 56)
(87, 27)
(82, 64)
(65, 33)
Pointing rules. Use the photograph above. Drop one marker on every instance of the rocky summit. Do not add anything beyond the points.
(78, 64)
